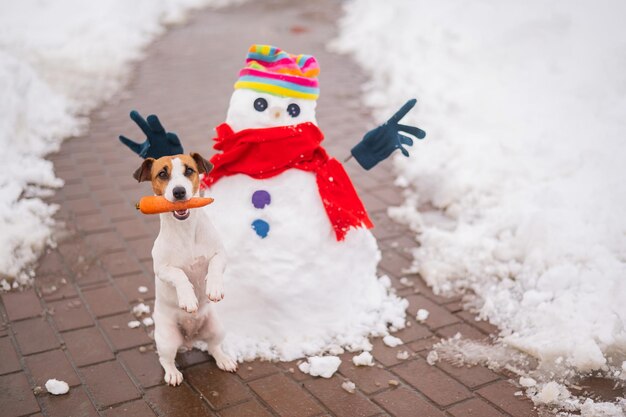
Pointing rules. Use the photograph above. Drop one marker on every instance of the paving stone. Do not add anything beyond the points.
(401, 402)
(51, 364)
(52, 288)
(256, 369)
(247, 409)
(423, 344)
(118, 264)
(191, 357)
(284, 396)
(474, 408)
(368, 379)
(10, 362)
(221, 389)
(75, 403)
(466, 331)
(137, 408)
(89, 275)
(105, 242)
(87, 346)
(121, 336)
(471, 377)
(181, 400)
(21, 304)
(432, 382)
(129, 284)
(132, 229)
(109, 383)
(339, 401)
(386, 355)
(70, 314)
(34, 335)
(105, 301)
(501, 394)
(142, 248)
(50, 263)
(144, 366)
(413, 332)
(483, 325)
(16, 395)
(438, 316)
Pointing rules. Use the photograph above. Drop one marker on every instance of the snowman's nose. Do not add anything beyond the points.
(276, 112)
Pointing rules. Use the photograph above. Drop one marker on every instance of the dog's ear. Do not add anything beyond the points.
(143, 172)
(204, 166)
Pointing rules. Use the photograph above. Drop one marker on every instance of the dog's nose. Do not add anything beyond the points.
(179, 193)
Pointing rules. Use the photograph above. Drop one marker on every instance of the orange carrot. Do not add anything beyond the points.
(158, 204)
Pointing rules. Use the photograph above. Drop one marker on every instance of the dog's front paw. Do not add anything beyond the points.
(173, 377)
(225, 363)
(215, 293)
(187, 300)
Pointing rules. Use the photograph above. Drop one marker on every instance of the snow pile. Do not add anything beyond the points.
(56, 387)
(363, 359)
(517, 193)
(324, 366)
(58, 60)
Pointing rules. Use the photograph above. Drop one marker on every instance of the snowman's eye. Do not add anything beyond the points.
(293, 110)
(260, 104)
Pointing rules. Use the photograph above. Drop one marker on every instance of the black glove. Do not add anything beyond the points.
(158, 143)
(379, 143)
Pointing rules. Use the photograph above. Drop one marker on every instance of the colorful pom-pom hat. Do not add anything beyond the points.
(271, 70)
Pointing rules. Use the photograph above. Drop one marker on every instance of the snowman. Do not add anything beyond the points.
(301, 276)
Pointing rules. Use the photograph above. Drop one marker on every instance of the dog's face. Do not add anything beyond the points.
(176, 177)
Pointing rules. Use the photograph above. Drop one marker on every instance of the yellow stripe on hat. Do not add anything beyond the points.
(275, 90)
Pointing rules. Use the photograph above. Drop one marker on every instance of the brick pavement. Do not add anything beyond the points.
(73, 324)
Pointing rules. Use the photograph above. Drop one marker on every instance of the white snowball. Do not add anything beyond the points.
(56, 387)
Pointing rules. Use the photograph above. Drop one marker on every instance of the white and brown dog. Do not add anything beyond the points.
(189, 262)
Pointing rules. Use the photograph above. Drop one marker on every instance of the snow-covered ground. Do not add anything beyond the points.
(518, 193)
(58, 60)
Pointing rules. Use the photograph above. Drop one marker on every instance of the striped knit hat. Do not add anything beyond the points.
(271, 70)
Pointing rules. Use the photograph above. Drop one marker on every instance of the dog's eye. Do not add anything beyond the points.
(162, 175)
(188, 172)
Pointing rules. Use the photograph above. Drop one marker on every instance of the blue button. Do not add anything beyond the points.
(261, 198)
(261, 227)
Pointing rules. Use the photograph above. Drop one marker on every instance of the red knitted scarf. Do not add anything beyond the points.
(265, 153)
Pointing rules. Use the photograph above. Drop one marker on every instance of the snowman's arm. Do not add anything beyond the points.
(379, 143)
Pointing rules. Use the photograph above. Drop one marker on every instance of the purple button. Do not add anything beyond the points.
(261, 198)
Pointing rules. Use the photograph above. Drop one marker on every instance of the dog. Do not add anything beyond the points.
(189, 262)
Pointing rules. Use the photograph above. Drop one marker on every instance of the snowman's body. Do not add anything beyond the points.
(292, 288)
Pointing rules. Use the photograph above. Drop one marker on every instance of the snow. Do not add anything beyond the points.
(58, 61)
(403, 355)
(142, 289)
(133, 324)
(148, 321)
(527, 382)
(422, 315)
(516, 195)
(363, 359)
(349, 386)
(56, 387)
(551, 393)
(392, 341)
(141, 309)
(324, 366)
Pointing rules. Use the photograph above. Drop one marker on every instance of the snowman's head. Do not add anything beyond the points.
(251, 109)
(274, 89)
